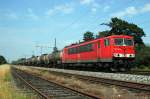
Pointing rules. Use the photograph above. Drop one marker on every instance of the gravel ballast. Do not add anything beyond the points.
(124, 77)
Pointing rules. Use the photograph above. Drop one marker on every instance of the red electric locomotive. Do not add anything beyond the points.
(114, 52)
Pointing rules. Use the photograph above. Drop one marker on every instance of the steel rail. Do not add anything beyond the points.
(32, 87)
(77, 91)
(96, 80)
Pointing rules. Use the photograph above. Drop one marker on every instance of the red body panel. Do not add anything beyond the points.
(98, 53)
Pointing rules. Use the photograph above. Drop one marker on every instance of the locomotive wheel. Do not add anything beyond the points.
(122, 69)
(112, 69)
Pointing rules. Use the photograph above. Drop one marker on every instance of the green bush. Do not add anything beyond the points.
(2, 60)
(142, 56)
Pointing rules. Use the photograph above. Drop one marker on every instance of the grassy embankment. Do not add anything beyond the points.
(7, 88)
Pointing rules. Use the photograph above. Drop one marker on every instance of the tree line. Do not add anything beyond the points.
(2, 60)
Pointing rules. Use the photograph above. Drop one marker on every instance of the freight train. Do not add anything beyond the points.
(115, 53)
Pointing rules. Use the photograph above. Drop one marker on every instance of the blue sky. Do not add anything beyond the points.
(27, 23)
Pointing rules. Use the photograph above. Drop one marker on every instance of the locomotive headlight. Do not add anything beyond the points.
(130, 55)
(118, 55)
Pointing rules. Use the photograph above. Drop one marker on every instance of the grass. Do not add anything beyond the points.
(142, 68)
(7, 88)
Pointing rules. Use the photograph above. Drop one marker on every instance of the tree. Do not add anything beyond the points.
(2, 60)
(119, 27)
(102, 34)
(88, 36)
(142, 56)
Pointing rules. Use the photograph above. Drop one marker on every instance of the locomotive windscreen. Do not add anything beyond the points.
(123, 42)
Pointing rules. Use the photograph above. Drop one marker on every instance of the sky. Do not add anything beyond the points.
(26, 25)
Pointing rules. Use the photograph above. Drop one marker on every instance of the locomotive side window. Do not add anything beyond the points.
(69, 51)
(72, 50)
(98, 44)
(83, 48)
(86, 48)
(89, 47)
(106, 42)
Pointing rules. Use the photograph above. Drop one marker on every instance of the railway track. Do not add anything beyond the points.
(48, 89)
(126, 84)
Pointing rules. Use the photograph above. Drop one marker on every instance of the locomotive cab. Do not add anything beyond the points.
(123, 50)
(123, 47)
